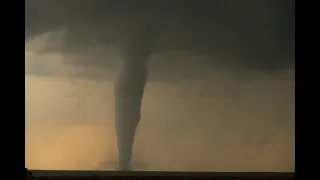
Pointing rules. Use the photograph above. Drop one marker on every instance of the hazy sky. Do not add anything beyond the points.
(220, 95)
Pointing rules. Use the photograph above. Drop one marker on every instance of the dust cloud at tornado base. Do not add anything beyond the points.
(218, 122)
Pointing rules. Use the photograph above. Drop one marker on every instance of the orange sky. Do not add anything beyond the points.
(216, 123)
(176, 133)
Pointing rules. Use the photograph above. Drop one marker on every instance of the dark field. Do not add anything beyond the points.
(145, 175)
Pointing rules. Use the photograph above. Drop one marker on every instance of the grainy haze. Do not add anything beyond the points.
(219, 97)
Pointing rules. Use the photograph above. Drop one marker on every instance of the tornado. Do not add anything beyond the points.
(129, 88)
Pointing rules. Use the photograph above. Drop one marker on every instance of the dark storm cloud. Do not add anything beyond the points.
(221, 51)
(247, 34)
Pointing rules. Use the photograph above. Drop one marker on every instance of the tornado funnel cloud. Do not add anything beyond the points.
(128, 96)
(129, 89)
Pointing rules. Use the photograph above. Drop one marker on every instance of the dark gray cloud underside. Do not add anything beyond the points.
(248, 34)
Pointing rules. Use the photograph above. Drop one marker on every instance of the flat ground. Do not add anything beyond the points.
(121, 175)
